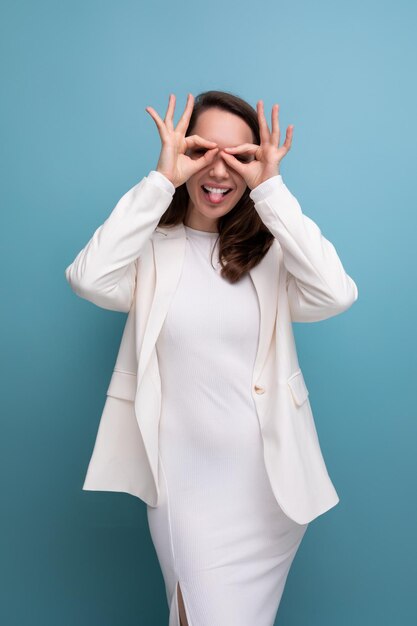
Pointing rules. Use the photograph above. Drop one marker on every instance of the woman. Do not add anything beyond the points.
(223, 540)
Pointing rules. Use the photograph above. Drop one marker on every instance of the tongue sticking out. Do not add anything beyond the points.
(216, 198)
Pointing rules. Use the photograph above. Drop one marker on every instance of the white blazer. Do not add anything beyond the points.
(132, 265)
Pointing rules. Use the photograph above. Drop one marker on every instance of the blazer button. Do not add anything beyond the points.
(259, 389)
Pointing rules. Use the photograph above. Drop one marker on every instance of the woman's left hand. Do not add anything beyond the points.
(267, 156)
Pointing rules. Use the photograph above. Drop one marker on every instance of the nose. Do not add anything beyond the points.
(219, 167)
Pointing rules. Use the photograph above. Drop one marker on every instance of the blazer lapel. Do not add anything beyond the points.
(169, 250)
(265, 279)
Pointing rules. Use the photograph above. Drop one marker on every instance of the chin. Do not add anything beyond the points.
(214, 212)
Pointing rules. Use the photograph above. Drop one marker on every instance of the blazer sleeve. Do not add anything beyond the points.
(318, 286)
(105, 270)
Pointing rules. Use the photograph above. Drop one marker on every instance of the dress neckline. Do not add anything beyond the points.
(200, 233)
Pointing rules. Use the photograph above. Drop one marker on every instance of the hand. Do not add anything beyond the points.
(267, 156)
(173, 162)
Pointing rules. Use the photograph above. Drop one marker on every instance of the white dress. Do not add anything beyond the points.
(219, 531)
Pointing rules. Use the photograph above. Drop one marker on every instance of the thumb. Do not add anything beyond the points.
(233, 162)
(205, 160)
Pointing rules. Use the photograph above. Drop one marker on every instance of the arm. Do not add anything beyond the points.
(318, 286)
(104, 271)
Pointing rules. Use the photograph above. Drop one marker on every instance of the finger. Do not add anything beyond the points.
(263, 126)
(244, 147)
(196, 140)
(274, 139)
(237, 165)
(288, 137)
(169, 116)
(160, 124)
(185, 117)
(198, 164)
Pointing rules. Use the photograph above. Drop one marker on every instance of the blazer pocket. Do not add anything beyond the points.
(122, 385)
(298, 387)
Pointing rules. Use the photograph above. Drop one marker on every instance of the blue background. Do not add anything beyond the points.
(76, 78)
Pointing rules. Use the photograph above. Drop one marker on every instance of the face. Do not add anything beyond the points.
(227, 130)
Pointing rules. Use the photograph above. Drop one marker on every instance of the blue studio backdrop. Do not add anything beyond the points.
(76, 79)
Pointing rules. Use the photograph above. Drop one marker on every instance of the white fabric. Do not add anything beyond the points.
(162, 181)
(133, 264)
(219, 531)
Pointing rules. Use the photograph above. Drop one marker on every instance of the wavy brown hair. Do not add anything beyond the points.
(243, 238)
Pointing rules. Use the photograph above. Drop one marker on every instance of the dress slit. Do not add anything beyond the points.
(174, 614)
(174, 617)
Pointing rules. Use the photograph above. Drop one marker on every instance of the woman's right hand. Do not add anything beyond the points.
(173, 162)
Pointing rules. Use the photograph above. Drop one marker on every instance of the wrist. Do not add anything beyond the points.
(161, 180)
(263, 180)
(266, 187)
(163, 174)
